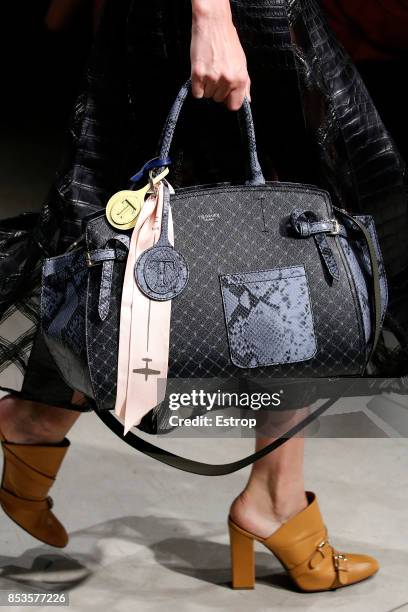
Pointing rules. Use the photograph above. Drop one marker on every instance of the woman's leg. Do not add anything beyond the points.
(267, 508)
(34, 446)
(29, 422)
(275, 489)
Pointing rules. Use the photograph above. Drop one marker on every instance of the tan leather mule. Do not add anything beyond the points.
(29, 471)
(302, 547)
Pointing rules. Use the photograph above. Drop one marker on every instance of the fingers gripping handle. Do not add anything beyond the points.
(256, 176)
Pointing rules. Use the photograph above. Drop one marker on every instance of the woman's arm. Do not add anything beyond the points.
(218, 62)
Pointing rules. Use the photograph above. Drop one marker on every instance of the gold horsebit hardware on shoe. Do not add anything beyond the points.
(339, 560)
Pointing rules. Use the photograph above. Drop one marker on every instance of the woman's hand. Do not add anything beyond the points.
(218, 62)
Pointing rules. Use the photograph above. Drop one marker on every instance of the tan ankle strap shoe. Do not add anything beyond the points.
(29, 471)
(302, 546)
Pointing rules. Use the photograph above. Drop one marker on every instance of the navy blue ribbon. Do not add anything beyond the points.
(156, 162)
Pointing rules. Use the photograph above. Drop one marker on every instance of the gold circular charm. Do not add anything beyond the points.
(123, 208)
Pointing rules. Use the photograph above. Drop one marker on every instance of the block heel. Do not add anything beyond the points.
(242, 558)
(303, 549)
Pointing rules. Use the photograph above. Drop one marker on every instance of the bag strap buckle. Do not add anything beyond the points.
(336, 228)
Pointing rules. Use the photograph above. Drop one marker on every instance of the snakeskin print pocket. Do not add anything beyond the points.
(268, 316)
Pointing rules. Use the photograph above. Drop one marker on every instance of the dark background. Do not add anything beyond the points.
(42, 73)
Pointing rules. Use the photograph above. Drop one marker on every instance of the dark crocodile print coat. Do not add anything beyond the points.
(314, 119)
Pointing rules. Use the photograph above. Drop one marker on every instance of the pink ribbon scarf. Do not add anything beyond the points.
(144, 332)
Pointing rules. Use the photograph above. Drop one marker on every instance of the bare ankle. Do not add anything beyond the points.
(257, 518)
(288, 502)
(22, 424)
(262, 512)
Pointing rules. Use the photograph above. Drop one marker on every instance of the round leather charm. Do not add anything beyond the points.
(161, 273)
(124, 207)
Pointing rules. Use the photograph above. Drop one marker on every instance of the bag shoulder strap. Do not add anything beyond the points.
(376, 284)
(198, 467)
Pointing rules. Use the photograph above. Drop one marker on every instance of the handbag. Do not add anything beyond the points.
(278, 283)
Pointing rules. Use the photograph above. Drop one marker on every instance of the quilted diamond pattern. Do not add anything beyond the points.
(247, 232)
(233, 230)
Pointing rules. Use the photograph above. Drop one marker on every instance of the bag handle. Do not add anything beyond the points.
(256, 175)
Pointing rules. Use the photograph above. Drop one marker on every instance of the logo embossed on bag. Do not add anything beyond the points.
(209, 217)
(161, 273)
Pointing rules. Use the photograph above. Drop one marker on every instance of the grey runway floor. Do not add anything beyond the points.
(149, 538)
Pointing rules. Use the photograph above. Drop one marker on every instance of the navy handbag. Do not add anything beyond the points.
(280, 284)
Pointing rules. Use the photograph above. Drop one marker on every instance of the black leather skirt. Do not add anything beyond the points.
(314, 120)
